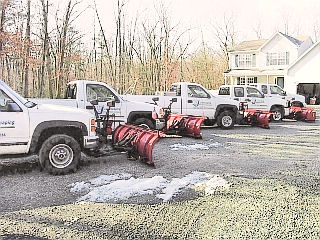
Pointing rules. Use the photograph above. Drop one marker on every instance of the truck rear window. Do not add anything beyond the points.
(224, 91)
(239, 92)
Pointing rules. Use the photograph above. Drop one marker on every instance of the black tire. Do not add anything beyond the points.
(226, 119)
(278, 114)
(144, 122)
(297, 104)
(60, 154)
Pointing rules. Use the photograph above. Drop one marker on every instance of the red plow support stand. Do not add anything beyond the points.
(257, 117)
(184, 125)
(137, 141)
(303, 113)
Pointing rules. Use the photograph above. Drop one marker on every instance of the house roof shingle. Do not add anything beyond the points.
(256, 44)
(249, 45)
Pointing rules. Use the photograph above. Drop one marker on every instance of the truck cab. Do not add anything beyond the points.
(273, 90)
(256, 99)
(195, 99)
(57, 134)
(80, 93)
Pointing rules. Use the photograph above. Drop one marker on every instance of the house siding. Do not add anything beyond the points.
(279, 49)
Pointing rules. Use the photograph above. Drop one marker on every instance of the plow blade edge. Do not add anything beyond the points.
(303, 113)
(257, 118)
(137, 141)
(185, 125)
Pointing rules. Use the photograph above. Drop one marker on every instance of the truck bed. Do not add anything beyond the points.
(62, 102)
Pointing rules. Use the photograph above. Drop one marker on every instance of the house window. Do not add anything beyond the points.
(246, 80)
(245, 60)
(281, 58)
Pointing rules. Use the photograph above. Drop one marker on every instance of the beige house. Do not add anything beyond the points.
(265, 60)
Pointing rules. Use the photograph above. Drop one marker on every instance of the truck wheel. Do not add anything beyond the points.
(226, 120)
(145, 123)
(60, 154)
(277, 114)
(297, 104)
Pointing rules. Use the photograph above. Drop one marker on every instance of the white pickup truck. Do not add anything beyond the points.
(79, 94)
(194, 99)
(256, 100)
(57, 134)
(273, 90)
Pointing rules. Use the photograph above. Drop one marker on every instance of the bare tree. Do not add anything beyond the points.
(27, 52)
(225, 33)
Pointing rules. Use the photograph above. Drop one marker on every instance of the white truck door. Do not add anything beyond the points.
(103, 94)
(255, 99)
(14, 126)
(199, 101)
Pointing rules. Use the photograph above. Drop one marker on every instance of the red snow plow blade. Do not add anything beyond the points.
(303, 113)
(257, 117)
(137, 141)
(185, 125)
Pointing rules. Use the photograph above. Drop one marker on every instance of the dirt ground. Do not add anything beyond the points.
(286, 156)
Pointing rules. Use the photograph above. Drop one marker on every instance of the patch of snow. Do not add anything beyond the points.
(123, 186)
(79, 187)
(193, 147)
(176, 184)
(124, 189)
(215, 182)
(105, 179)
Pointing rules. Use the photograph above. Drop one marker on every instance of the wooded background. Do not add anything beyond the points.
(141, 57)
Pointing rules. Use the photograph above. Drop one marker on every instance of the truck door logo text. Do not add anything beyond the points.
(7, 124)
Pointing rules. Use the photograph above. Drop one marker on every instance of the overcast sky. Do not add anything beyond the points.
(199, 15)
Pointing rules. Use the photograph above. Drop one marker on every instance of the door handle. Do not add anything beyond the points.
(248, 100)
(89, 107)
(237, 99)
(189, 101)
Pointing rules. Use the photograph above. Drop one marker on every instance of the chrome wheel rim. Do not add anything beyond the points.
(226, 121)
(61, 156)
(277, 116)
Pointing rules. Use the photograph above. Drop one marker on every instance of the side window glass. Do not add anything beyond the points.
(224, 91)
(239, 92)
(197, 92)
(4, 101)
(176, 89)
(264, 89)
(252, 92)
(275, 90)
(71, 92)
(100, 93)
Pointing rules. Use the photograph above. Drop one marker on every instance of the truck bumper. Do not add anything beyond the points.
(90, 141)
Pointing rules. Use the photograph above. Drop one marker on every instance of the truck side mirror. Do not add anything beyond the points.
(111, 103)
(174, 100)
(155, 100)
(94, 102)
(13, 107)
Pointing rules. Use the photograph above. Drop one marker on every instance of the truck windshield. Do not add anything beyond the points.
(276, 90)
(24, 101)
